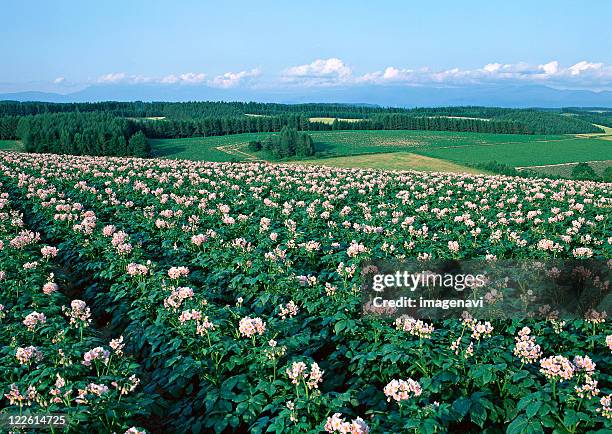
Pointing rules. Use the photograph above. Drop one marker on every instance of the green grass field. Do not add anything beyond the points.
(217, 148)
(10, 145)
(393, 161)
(536, 152)
(460, 148)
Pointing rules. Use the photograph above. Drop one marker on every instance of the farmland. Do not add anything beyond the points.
(10, 145)
(221, 131)
(200, 148)
(552, 150)
(462, 148)
(216, 285)
(393, 161)
(195, 296)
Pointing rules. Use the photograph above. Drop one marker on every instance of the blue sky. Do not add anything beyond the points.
(65, 45)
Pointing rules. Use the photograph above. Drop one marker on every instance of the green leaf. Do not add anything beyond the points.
(519, 375)
(428, 426)
(462, 405)
(340, 325)
(570, 418)
(220, 425)
(478, 414)
(482, 373)
(518, 425)
(524, 402)
(533, 408)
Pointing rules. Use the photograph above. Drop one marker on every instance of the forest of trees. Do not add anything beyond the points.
(257, 124)
(107, 128)
(594, 115)
(81, 134)
(8, 127)
(288, 143)
(534, 121)
(542, 122)
(438, 123)
(194, 110)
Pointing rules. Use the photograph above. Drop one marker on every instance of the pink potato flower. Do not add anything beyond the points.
(402, 390)
(249, 327)
(337, 424)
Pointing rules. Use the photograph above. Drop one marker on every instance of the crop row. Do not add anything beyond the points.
(53, 358)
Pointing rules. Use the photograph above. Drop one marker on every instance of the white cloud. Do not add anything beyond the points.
(233, 79)
(550, 68)
(122, 77)
(135, 79)
(450, 75)
(320, 72)
(492, 67)
(582, 74)
(188, 78)
(392, 73)
(584, 66)
(113, 77)
(59, 80)
(321, 67)
(169, 79)
(370, 77)
(335, 72)
(192, 77)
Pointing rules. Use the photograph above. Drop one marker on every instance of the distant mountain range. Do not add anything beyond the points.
(398, 96)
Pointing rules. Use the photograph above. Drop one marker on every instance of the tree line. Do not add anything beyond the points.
(441, 123)
(192, 110)
(166, 129)
(81, 134)
(595, 115)
(534, 121)
(543, 122)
